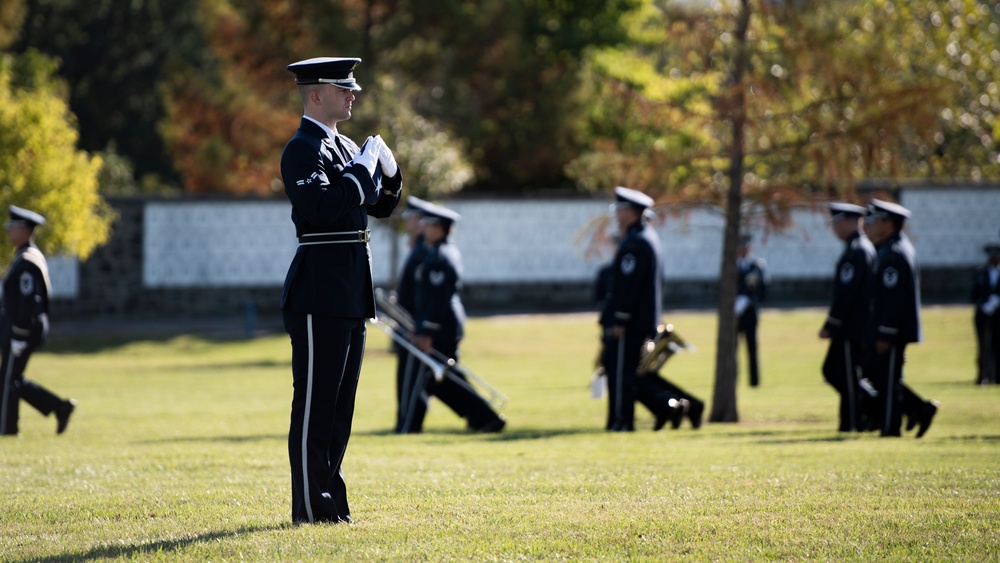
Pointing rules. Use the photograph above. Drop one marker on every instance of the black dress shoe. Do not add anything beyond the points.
(926, 417)
(677, 409)
(63, 413)
(493, 426)
(911, 421)
(695, 412)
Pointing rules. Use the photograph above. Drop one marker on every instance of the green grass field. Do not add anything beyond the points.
(177, 451)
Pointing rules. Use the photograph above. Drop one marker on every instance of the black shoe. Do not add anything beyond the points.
(911, 421)
(493, 426)
(695, 412)
(926, 417)
(63, 413)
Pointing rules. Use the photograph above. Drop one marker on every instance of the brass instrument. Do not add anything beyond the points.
(404, 328)
(659, 349)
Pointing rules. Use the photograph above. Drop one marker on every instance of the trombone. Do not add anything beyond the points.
(657, 350)
(399, 324)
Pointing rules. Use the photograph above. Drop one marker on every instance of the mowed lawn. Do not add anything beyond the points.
(177, 451)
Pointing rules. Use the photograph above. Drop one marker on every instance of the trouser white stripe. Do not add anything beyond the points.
(305, 422)
(6, 393)
(620, 371)
(849, 381)
(889, 399)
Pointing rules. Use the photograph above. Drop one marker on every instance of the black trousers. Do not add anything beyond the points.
(747, 325)
(885, 371)
(654, 392)
(620, 359)
(15, 387)
(326, 364)
(840, 369)
(988, 346)
(454, 390)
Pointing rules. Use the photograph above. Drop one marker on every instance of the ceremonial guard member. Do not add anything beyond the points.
(750, 293)
(848, 315)
(986, 298)
(894, 321)
(439, 317)
(333, 186)
(633, 306)
(406, 364)
(24, 325)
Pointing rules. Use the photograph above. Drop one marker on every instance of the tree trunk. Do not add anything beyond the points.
(724, 394)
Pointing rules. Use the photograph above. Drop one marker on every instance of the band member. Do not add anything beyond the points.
(406, 364)
(848, 315)
(440, 325)
(751, 292)
(986, 298)
(667, 401)
(633, 306)
(333, 187)
(24, 326)
(894, 321)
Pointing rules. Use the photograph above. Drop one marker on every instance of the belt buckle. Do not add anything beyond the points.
(364, 236)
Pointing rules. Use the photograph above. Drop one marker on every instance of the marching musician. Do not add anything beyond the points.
(848, 315)
(894, 322)
(439, 320)
(24, 326)
(662, 397)
(632, 308)
(751, 292)
(986, 298)
(333, 186)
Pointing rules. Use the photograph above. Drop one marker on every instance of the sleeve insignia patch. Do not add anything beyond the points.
(846, 273)
(628, 264)
(890, 277)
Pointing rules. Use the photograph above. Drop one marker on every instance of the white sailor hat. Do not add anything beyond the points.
(631, 197)
(337, 71)
(439, 213)
(841, 210)
(414, 206)
(25, 217)
(879, 208)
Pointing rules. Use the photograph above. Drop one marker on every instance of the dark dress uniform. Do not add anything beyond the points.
(752, 285)
(327, 295)
(407, 365)
(986, 298)
(666, 400)
(439, 314)
(895, 318)
(634, 302)
(24, 327)
(847, 319)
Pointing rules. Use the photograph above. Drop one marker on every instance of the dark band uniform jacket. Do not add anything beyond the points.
(439, 310)
(331, 279)
(26, 290)
(849, 306)
(635, 294)
(896, 298)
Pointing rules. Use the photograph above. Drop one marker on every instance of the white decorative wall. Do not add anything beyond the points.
(250, 243)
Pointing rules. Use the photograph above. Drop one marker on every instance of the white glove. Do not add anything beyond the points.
(991, 304)
(387, 160)
(17, 347)
(369, 154)
(741, 304)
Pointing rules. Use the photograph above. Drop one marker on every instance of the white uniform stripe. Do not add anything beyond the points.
(305, 422)
(6, 394)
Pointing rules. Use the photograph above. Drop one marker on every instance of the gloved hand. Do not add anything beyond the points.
(369, 154)
(991, 304)
(387, 160)
(17, 347)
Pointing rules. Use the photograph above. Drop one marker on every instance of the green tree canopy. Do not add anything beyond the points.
(40, 165)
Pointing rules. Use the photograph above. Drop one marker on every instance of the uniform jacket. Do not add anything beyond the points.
(896, 293)
(981, 290)
(439, 310)
(753, 281)
(406, 290)
(850, 304)
(322, 183)
(635, 292)
(26, 290)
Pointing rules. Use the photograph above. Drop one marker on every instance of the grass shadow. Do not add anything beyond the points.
(157, 548)
(213, 439)
(505, 436)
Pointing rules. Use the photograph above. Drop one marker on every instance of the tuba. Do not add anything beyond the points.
(659, 349)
